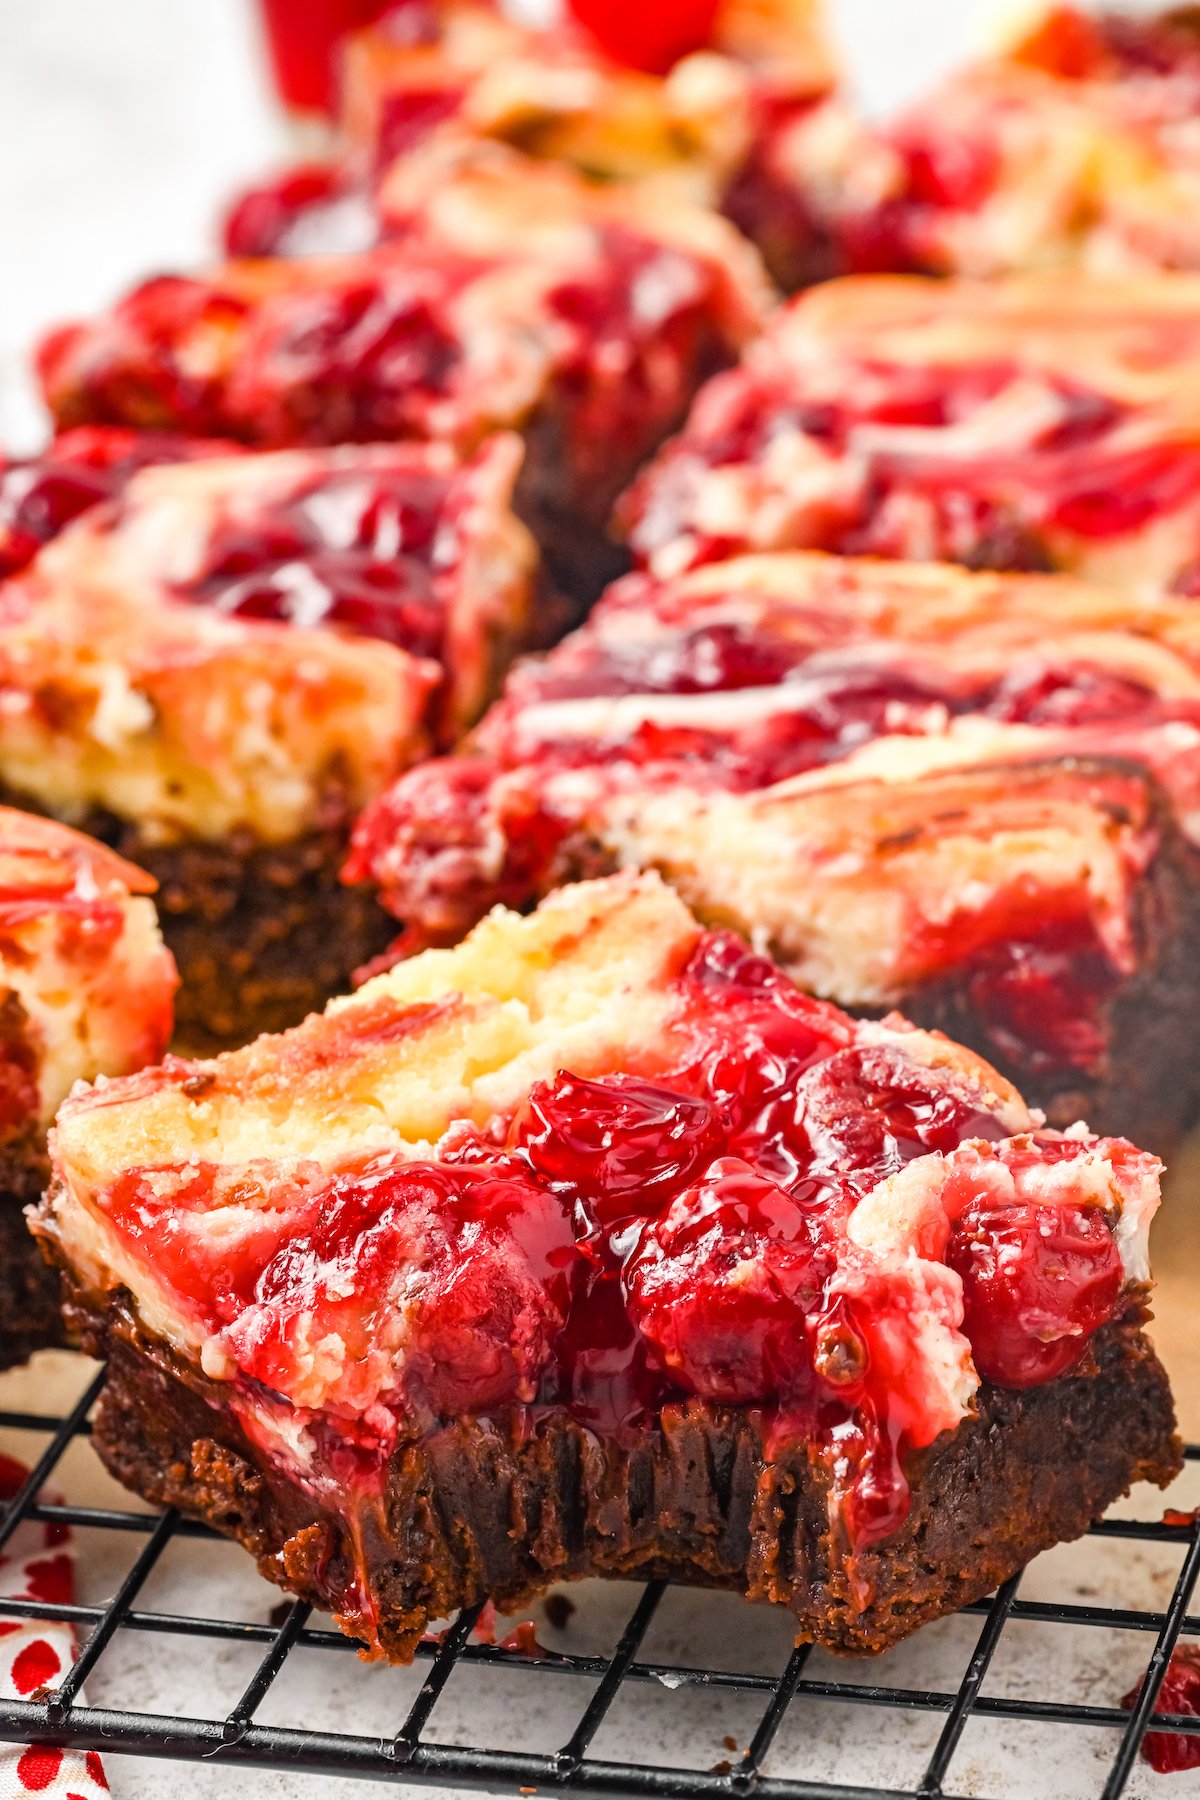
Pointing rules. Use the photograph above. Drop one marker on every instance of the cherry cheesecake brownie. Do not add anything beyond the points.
(510, 294)
(713, 103)
(594, 1247)
(1032, 424)
(892, 775)
(86, 989)
(215, 671)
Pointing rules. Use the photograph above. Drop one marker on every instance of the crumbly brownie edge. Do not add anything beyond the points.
(496, 1508)
(31, 1313)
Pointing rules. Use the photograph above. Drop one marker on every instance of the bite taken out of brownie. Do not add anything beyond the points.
(594, 1247)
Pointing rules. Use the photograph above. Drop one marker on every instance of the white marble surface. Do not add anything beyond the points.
(123, 123)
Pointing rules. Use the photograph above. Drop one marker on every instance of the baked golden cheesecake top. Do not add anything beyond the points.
(86, 985)
(597, 1158)
(1031, 423)
(261, 642)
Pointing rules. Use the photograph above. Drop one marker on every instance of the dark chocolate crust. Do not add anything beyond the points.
(31, 1314)
(502, 1508)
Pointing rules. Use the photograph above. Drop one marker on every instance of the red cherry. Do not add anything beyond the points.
(722, 1284)
(1037, 1281)
(650, 37)
(619, 1146)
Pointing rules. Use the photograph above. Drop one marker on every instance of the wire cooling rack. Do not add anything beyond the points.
(412, 1756)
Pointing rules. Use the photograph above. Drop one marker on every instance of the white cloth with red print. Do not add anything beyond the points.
(38, 1563)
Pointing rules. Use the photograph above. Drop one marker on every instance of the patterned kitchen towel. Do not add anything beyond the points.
(38, 1563)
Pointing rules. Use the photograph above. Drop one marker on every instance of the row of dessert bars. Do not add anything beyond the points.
(630, 1229)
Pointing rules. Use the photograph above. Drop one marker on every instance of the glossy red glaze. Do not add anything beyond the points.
(1003, 509)
(645, 37)
(140, 376)
(723, 1283)
(361, 361)
(1169, 1751)
(1035, 968)
(1042, 992)
(618, 1145)
(80, 469)
(354, 549)
(438, 827)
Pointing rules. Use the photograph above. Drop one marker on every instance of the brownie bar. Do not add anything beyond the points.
(489, 1508)
(522, 297)
(599, 1204)
(218, 669)
(1090, 1036)
(1033, 423)
(86, 989)
(1067, 148)
(776, 730)
(715, 115)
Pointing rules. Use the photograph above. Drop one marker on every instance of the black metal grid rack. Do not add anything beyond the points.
(238, 1739)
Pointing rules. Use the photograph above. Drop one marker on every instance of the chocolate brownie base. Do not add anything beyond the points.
(31, 1315)
(262, 934)
(503, 1508)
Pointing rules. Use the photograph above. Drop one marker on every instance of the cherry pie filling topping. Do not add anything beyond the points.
(1080, 467)
(686, 1228)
